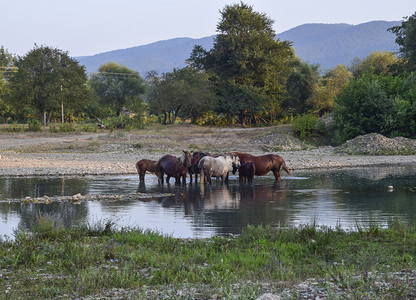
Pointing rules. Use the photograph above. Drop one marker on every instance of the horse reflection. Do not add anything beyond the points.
(219, 198)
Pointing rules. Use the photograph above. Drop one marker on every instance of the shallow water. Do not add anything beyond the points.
(344, 198)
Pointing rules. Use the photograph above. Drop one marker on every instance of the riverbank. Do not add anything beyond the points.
(46, 154)
(99, 262)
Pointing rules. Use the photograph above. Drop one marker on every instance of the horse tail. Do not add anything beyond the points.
(202, 172)
(137, 167)
(284, 166)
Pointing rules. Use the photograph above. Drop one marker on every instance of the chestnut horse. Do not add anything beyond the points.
(173, 167)
(196, 157)
(246, 172)
(265, 163)
(144, 165)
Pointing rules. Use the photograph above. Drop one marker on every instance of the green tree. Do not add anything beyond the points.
(246, 58)
(406, 39)
(328, 88)
(48, 80)
(378, 63)
(117, 87)
(184, 92)
(7, 68)
(380, 104)
(300, 86)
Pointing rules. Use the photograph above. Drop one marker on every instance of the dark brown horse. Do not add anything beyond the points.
(246, 172)
(196, 157)
(265, 163)
(144, 165)
(173, 166)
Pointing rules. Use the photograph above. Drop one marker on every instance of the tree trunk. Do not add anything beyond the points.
(50, 116)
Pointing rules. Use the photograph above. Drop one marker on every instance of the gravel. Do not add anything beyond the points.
(78, 157)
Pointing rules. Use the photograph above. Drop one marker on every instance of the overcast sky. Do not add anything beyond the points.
(88, 27)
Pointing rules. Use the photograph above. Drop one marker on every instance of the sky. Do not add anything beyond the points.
(88, 27)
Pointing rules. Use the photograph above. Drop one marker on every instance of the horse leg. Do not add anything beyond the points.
(160, 177)
(167, 178)
(276, 175)
(202, 176)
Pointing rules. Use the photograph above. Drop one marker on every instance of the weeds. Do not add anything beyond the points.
(84, 261)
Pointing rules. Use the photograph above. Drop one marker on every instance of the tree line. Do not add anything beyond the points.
(248, 77)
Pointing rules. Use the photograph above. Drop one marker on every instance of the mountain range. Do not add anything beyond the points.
(324, 44)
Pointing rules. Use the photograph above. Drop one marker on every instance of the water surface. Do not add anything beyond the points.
(345, 198)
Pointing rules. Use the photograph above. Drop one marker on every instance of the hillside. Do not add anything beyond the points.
(323, 44)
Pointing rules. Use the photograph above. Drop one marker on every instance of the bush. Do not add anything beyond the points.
(14, 127)
(304, 124)
(34, 125)
(376, 104)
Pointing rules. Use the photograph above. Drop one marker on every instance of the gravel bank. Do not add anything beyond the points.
(101, 154)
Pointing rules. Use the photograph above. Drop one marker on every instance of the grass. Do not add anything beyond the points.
(51, 261)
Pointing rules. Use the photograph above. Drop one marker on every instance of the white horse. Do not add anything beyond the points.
(217, 166)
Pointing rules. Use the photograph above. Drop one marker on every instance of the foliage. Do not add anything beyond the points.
(304, 124)
(406, 39)
(183, 92)
(327, 89)
(128, 260)
(377, 104)
(378, 63)
(246, 58)
(300, 86)
(7, 68)
(34, 125)
(118, 87)
(46, 80)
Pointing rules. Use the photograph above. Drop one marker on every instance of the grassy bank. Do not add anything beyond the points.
(52, 261)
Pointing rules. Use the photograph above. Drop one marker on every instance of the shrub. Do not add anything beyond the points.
(304, 124)
(34, 125)
(14, 127)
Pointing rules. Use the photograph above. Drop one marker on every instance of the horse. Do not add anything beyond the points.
(246, 172)
(173, 166)
(144, 165)
(217, 166)
(265, 163)
(196, 157)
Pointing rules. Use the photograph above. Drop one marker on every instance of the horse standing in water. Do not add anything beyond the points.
(173, 166)
(144, 165)
(217, 166)
(246, 172)
(196, 157)
(265, 163)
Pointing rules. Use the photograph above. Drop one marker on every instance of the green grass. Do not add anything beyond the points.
(52, 261)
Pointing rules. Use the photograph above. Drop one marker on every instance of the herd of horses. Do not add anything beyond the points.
(208, 165)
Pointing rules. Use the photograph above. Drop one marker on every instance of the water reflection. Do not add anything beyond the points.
(335, 198)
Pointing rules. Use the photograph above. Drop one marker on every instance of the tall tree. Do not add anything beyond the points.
(116, 86)
(300, 86)
(246, 58)
(406, 39)
(7, 68)
(378, 63)
(184, 92)
(47, 79)
(328, 88)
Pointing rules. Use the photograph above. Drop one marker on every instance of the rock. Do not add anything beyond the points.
(268, 296)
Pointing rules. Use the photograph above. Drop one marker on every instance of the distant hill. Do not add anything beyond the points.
(323, 44)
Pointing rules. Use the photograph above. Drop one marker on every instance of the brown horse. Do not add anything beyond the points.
(196, 157)
(173, 167)
(265, 163)
(144, 165)
(246, 172)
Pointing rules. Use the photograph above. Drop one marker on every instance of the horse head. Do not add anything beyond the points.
(186, 158)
